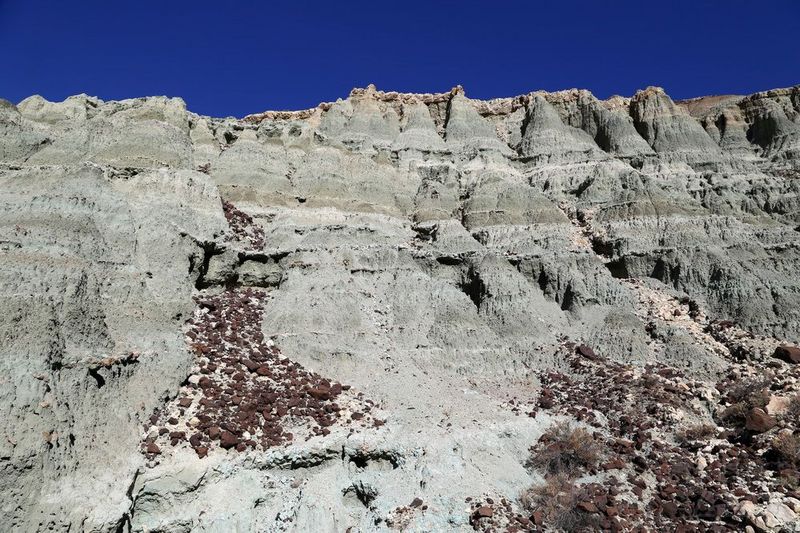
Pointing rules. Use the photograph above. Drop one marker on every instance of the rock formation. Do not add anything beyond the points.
(417, 312)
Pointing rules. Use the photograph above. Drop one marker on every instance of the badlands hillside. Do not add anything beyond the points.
(416, 312)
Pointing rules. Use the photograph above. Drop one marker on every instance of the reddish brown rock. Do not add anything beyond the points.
(201, 451)
(416, 502)
(759, 421)
(614, 464)
(587, 352)
(320, 393)
(153, 448)
(484, 511)
(789, 354)
(228, 440)
(669, 509)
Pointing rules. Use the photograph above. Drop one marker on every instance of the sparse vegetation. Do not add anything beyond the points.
(788, 447)
(793, 409)
(557, 502)
(744, 397)
(566, 450)
(696, 432)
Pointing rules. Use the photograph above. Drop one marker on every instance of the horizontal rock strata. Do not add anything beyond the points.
(184, 298)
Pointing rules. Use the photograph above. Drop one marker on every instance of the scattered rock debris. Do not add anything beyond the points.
(678, 454)
(242, 393)
(243, 227)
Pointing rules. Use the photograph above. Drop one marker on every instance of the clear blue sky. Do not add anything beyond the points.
(233, 57)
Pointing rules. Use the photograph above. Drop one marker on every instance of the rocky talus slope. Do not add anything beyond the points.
(416, 312)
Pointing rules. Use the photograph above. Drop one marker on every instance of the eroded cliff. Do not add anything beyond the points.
(352, 316)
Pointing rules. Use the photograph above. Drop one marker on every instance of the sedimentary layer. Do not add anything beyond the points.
(348, 316)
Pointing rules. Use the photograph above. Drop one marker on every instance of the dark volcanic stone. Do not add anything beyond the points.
(759, 421)
(320, 393)
(251, 366)
(484, 511)
(789, 354)
(670, 509)
(586, 352)
(228, 440)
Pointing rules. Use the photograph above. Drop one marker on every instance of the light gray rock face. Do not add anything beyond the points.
(611, 128)
(546, 136)
(96, 271)
(665, 126)
(432, 250)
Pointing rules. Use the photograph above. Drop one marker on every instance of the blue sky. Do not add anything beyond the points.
(237, 57)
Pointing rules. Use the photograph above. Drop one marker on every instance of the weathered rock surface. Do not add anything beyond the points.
(434, 252)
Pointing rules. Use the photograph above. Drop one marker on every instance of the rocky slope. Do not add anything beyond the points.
(400, 311)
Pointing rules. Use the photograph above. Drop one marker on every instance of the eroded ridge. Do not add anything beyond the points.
(242, 393)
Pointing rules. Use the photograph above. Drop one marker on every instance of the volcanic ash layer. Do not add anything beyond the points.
(417, 312)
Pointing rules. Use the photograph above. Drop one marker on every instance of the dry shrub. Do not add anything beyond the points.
(697, 432)
(745, 396)
(565, 449)
(788, 446)
(557, 499)
(793, 409)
